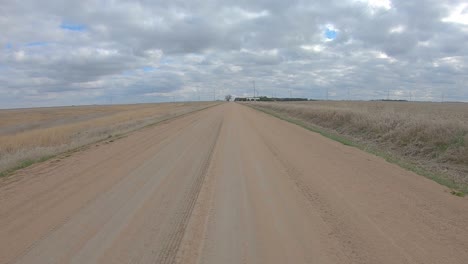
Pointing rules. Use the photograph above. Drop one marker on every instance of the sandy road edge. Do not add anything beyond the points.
(64, 154)
(454, 189)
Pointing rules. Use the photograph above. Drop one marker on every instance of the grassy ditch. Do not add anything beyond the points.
(438, 154)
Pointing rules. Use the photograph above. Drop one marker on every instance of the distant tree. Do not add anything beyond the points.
(228, 97)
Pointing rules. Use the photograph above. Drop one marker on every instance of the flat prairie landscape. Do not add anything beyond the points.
(429, 138)
(28, 135)
(226, 184)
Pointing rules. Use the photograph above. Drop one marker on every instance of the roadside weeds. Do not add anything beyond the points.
(456, 189)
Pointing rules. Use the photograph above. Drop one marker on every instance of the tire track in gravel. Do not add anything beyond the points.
(169, 252)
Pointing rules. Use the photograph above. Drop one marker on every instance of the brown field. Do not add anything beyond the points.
(30, 134)
(430, 136)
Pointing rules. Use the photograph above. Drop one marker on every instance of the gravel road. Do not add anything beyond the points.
(227, 184)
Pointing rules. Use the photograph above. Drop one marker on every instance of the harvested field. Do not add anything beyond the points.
(31, 134)
(430, 136)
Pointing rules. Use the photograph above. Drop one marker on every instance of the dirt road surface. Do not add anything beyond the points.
(227, 185)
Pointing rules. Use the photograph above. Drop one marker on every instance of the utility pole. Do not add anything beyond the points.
(349, 98)
(253, 82)
(326, 95)
(388, 93)
(214, 93)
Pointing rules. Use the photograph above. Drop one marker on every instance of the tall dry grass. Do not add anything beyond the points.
(432, 135)
(30, 134)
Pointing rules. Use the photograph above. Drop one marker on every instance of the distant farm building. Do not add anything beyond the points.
(244, 99)
(266, 99)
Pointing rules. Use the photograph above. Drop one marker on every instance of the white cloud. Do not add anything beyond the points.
(375, 5)
(188, 48)
(424, 43)
(397, 29)
(234, 15)
(385, 4)
(19, 55)
(382, 55)
(458, 15)
(315, 48)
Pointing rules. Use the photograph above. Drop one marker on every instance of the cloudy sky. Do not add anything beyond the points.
(55, 52)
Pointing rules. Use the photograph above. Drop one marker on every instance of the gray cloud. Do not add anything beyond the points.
(83, 52)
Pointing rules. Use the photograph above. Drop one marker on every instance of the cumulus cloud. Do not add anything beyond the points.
(84, 52)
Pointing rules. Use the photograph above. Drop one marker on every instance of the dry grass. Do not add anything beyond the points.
(433, 136)
(30, 134)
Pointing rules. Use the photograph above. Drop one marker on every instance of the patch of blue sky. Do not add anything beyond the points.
(72, 26)
(37, 44)
(8, 46)
(148, 69)
(330, 34)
